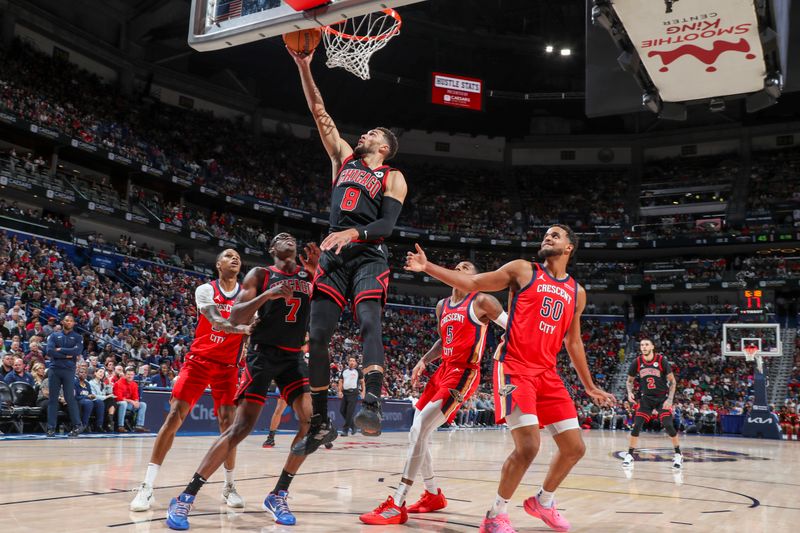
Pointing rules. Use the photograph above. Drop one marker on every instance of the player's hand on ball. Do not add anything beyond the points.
(415, 262)
(418, 370)
(601, 397)
(301, 58)
(338, 240)
(280, 291)
(310, 257)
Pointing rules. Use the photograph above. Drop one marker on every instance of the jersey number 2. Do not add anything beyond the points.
(294, 306)
(651, 383)
(350, 199)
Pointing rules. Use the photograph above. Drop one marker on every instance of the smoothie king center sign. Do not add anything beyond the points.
(457, 91)
(696, 49)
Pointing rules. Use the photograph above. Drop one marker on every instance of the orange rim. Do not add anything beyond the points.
(365, 38)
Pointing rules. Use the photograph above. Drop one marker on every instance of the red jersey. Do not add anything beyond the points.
(538, 320)
(463, 336)
(224, 348)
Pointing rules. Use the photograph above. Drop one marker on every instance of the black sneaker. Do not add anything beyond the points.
(270, 442)
(369, 418)
(51, 432)
(77, 430)
(320, 433)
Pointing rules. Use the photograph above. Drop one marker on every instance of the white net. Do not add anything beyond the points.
(350, 44)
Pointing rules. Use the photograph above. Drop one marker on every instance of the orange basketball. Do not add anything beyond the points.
(303, 41)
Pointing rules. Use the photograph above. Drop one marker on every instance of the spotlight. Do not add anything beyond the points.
(566, 52)
(549, 48)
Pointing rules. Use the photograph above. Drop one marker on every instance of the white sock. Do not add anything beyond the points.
(430, 485)
(500, 506)
(228, 476)
(545, 498)
(400, 493)
(150, 475)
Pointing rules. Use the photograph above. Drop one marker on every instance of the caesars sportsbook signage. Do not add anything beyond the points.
(694, 49)
(457, 91)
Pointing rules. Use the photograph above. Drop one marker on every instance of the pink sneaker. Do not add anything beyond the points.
(548, 515)
(498, 524)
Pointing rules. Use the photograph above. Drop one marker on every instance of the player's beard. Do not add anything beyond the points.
(360, 151)
(544, 253)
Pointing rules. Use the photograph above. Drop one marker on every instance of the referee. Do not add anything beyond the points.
(351, 383)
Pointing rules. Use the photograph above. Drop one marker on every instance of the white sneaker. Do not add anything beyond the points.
(231, 497)
(628, 461)
(143, 499)
(677, 461)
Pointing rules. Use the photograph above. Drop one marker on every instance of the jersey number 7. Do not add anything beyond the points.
(294, 306)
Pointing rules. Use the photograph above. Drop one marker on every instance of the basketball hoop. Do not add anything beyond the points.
(750, 355)
(350, 43)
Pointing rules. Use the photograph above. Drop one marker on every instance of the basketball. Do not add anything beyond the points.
(303, 41)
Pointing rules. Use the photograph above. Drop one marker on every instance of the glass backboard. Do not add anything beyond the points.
(219, 24)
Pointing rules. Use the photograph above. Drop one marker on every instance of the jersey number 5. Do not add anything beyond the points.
(294, 306)
(350, 199)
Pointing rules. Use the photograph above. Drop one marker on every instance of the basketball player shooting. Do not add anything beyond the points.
(544, 313)
(657, 390)
(366, 199)
(462, 320)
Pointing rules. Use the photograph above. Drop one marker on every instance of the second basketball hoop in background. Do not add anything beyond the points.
(303, 41)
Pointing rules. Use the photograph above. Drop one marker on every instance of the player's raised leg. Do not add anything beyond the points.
(274, 422)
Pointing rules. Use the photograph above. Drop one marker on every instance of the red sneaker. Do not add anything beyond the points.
(429, 503)
(385, 514)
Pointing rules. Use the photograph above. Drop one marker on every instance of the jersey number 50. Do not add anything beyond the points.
(552, 308)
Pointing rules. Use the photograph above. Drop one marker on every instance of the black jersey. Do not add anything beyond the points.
(357, 194)
(283, 323)
(652, 376)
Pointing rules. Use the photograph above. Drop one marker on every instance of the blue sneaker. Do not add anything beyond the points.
(276, 505)
(178, 511)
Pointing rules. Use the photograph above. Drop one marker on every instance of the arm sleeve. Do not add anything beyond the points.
(204, 296)
(383, 227)
(632, 369)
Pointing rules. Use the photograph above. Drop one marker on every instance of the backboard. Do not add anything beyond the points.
(217, 24)
(766, 338)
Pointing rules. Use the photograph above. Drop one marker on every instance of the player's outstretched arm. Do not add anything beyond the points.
(337, 148)
(508, 275)
(489, 308)
(249, 301)
(577, 353)
(433, 354)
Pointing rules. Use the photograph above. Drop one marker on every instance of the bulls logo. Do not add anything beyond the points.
(507, 389)
(379, 174)
(457, 396)
(302, 274)
(655, 364)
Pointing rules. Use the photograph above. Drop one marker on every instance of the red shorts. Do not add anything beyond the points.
(197, 374)
(453, 386)
(543, 395)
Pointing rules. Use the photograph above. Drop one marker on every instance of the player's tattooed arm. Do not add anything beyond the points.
(509, 275)
(673, 385)
(490, 309)
(337, 148)
(577, 354)
(434, 353)
(249, 299)
(629, 386)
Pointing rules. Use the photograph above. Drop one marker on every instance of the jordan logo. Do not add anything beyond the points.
(669, 3)
(507, 389)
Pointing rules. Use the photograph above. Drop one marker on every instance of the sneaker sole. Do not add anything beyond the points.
(172, 525)
(275, 517)
(141, 509)
(235, 506)
(332, 436)
(385, 522)
(534, 513)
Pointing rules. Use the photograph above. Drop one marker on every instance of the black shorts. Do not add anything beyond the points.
(646, 406)
(359, 272)
(265, 363)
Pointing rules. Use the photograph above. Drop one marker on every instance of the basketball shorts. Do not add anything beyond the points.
(265, 363)
(543, 395)
(359, 272)
(648, 404)
(453, 386)
(197, 374)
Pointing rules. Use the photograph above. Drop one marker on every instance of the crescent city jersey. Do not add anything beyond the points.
(652, 376)
(463, 336)
(283, 323)
(357, 194)
(212, 344)
(538, 320)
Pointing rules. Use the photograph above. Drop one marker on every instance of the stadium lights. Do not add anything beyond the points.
(566, 52)
(549, 48)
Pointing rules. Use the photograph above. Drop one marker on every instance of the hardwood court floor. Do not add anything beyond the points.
(728, 484)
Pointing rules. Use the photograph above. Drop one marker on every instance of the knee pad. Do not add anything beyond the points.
(669, 425)
(638, 422)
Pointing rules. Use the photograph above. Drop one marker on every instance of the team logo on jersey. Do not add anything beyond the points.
(302, 274)
(379, 174)
(457, 396)
(541, 277)
(655, 364)
(507, 389)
